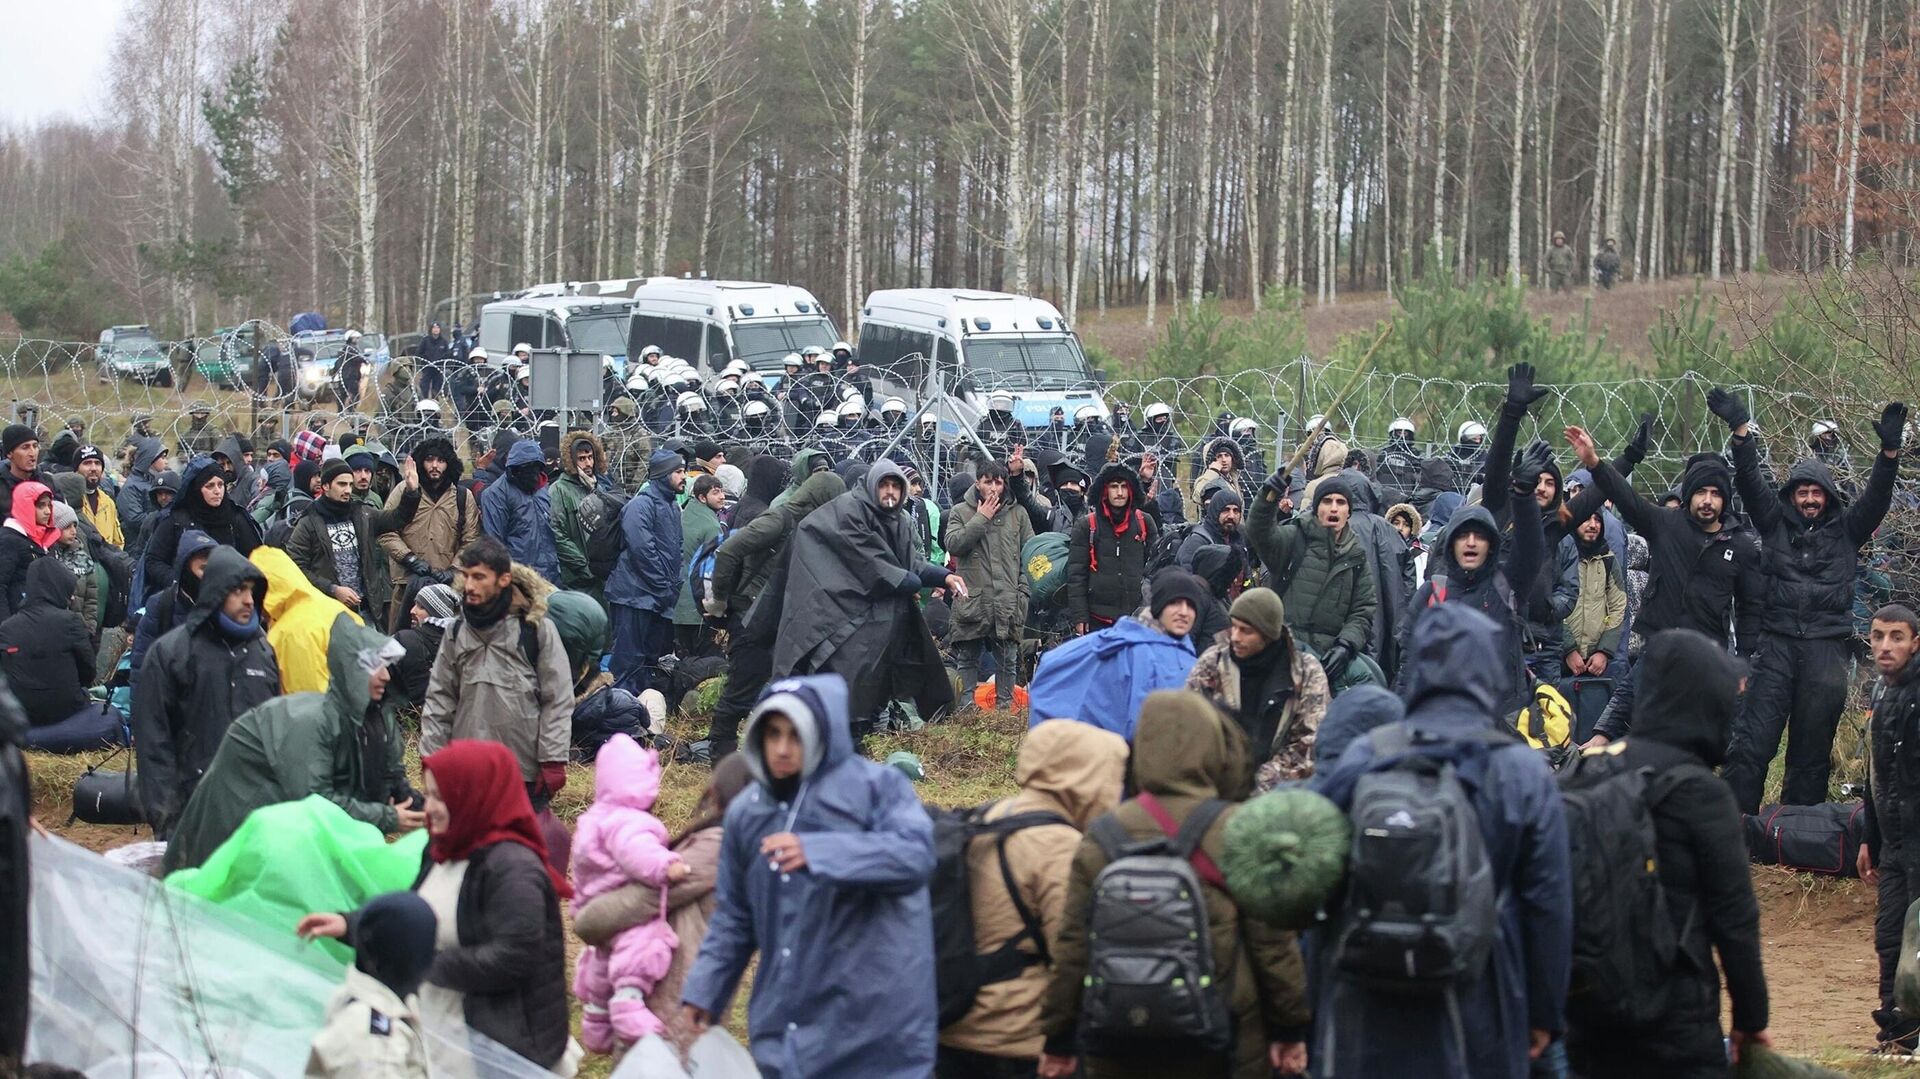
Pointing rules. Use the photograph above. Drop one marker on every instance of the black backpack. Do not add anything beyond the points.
(1150, 981)
(960, 970)
(1166, 548)
(700, 571)
(599, 514)
(1422, 904)
(1625, 946)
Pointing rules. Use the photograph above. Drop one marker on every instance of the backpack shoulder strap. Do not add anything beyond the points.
(1111, 835)
(1391, 740)
(1004, 828)
(1183, 840)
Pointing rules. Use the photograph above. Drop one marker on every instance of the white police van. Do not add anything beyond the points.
(711, 323)
(971, 344)
(580, 320)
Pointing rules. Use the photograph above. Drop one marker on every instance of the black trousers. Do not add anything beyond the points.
(1797, 687)
(749, 666)
(1896, 893)
(954, 1063)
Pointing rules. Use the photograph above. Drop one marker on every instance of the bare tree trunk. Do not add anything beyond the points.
(1440, 132)
(1386, 172)
(1765, 101)
(1284, 266)
(1856, 102)
(1254, 118)
(1657, 226)
(1728, 12)
(1523, 30)
(1656, 73)
(1324, 191)
(1609, 12)
(1416, 124)
(1153, 164)
(1209, 89)
(855, 152)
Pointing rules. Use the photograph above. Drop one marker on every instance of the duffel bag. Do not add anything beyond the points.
(1812, 839)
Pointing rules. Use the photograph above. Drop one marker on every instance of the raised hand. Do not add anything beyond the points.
(1892, 427)
(1583, 447)
(1521, 391)
(1636, 447)
(1729, 408)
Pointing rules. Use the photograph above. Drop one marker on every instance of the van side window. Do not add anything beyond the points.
(675, 336)
(948, 357)
(717, 352)
(526, 330)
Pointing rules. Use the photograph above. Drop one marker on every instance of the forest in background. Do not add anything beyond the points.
(369, 157)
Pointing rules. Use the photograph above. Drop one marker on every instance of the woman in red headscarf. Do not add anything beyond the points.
(500, 964)
(27, 534)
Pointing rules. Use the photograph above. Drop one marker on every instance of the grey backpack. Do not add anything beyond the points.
(1421, 906)
(1150, 982)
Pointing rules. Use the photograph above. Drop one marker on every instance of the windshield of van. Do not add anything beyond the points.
(599, 333)
(764, 344)
(1029, 362)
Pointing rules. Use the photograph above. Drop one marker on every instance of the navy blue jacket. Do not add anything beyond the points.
(648, 574)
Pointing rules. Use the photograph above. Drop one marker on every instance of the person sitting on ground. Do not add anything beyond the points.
(823, 873)
(341, 744)
(1273, 689)
(1105, 676)
(28, 534)
(1073, 773)
(196, 679)
(202, 504)
(70, 550)
(300, 621)
(500, 962)
(1689, 692)
(1187, 759)
(373, 1021)
(690, 901)
(48, 660)
(436, 608)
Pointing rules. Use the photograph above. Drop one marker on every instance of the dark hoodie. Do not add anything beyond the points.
(227, 524)
(131, 502)
(1209, 531)
(1688, 689)
(1436, 479)
(169, 607)
(44, 646)
(1693, 575)
(765, 478)
(195, 680)
(1810, 565)
(1107, 554)
(1487, 589)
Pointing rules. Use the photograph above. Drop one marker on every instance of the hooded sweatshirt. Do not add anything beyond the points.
(1687, 692)
(1487, 588)
(1811, 564)
(1693, 575)
(45, 649)
(521, 518)
(22, 541)
(132, 502)
(843, 988)
(1457, 682)
(1075, 772)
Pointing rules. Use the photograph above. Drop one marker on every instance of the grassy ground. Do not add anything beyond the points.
(967, 760)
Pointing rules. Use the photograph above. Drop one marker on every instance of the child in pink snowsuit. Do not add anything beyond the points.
(619, 841)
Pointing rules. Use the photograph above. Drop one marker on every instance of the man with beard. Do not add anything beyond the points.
(849, 600)
(583, 472)
(336, 545)
(1697, 555)
(1220, 525)
(97, 506)
(1107, 552)
(1890, 857)
(1318, 567)
(517, 511)
(1810, 542)
(647, 579)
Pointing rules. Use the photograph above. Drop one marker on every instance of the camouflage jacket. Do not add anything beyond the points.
(1291, 756)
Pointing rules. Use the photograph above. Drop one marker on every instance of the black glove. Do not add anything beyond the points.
(1892, 426)
(1527, 468)
(1728, 408)
(1521, 392)
(1336, 660)
(1635, 450)
(416, 566)
(445, 576)
(1277, 483)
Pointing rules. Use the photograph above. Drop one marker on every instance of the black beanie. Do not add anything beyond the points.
(15, 436)
(1175, 583)
(333, 469)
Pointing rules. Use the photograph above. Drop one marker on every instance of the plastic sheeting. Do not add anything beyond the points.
(294, 857)
(132, 977)
(713, 1055)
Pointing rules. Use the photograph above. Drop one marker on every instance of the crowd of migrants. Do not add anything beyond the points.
(1373, 628)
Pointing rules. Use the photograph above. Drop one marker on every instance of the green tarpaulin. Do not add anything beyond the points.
(297, 857)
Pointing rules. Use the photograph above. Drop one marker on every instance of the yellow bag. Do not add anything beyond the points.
(1548, 722)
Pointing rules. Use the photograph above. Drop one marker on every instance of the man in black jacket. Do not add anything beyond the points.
(1697, 553)
(337, 545)
(196, 679)
(1890, 858)
(1811, 540)
(1682, 715)
(1107, 552)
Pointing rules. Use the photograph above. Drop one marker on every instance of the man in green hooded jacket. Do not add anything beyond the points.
(341, 744)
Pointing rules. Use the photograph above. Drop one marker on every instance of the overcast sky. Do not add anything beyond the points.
(53, 59)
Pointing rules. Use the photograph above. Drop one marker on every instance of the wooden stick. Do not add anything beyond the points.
(1360, 373)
